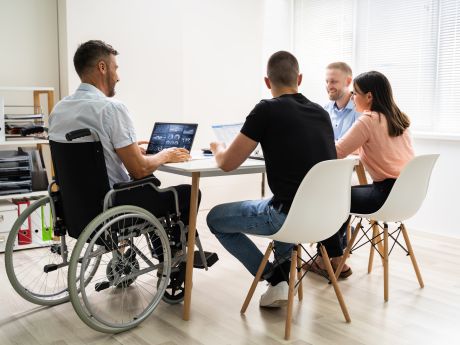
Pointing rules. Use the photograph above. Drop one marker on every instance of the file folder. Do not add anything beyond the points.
(25, 231)
(47, 223)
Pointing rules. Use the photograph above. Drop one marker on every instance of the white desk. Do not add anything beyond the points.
(202, 168)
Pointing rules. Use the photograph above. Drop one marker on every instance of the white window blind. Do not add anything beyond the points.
(323, 33)
(415, 43)
(398, 38)
(448, 83)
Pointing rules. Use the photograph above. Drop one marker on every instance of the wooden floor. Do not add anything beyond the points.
(412, 315)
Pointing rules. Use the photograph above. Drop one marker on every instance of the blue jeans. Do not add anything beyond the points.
(231, 222)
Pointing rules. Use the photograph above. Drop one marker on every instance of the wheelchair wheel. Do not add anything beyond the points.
(175, 290)
(129, 282)
(39, 274)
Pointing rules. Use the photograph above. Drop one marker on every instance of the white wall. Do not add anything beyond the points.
(147, 34)
(181, 60)
(29, 46)
(439, 211)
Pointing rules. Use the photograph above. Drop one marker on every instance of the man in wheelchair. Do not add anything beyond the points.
(99, 166)
(93, 107)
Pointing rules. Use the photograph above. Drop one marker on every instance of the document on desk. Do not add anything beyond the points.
(198, 155)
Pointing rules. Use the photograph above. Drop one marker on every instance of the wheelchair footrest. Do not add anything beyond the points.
(211, 259)
(102, 286)
(50, 267)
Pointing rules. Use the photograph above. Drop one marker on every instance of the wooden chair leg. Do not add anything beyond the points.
(412, 256)
(385, 262)
(333, 279)
(379, 241)
(292, 276)
(257, 278)
(371, 250)
(376, 240)
(346, 254)
(299, 271)
(349, 231)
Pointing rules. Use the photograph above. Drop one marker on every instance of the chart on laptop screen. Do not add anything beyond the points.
(166, 135)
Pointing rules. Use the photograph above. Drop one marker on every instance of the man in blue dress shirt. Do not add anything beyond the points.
(341, 108)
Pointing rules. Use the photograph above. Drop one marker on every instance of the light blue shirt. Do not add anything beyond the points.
(342, 119)
(89, 108)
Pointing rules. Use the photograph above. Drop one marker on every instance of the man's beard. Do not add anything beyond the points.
(111, 87)
(112, 91)
(338, 95)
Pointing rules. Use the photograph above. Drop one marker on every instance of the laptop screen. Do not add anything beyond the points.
(227, 132)
(166, 135)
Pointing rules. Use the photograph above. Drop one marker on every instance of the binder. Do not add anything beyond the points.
(25, 231)
(47, 223)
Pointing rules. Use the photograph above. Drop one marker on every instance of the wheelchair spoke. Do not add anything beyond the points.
(127, 285)
(38, 274)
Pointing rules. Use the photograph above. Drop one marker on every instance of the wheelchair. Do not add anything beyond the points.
(114, 262)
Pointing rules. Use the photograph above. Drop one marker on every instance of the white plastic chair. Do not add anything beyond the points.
(404, 200)
(320, 206)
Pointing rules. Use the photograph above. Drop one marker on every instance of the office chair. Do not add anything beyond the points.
(404, 200)
(303, 225)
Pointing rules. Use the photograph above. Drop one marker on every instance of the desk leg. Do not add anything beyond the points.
(191, 244)
(361, 173)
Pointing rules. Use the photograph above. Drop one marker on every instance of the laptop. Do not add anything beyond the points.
(166, 135)
(227, 132)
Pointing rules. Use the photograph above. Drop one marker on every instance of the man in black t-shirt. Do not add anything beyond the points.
(295, 134)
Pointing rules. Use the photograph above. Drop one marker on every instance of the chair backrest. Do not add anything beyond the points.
(409, 190)
(81, 175)
(321, 204)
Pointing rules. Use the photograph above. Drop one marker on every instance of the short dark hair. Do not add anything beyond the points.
(283, 69)
(382, 100)
(342, 66)
(89, 53)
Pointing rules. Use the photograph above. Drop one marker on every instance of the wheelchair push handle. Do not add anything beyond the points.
(79, 133)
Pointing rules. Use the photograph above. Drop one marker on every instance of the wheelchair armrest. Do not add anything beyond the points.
(149, 179)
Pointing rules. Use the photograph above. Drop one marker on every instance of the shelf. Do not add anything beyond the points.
(24, 195)
(26, 88)
(24, 142)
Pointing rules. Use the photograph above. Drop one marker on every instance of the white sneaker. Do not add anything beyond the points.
(275, 296)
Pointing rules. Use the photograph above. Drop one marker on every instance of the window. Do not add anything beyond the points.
(323, 33)
(448, 70)
(415, 43)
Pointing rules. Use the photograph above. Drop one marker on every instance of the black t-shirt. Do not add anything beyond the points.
(295, 134)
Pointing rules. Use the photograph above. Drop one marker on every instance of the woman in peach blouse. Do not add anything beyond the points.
(382, 139)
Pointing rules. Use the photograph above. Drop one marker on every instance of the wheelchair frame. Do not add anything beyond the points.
(106, 242)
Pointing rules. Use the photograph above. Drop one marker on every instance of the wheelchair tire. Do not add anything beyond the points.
(121, 297)
(38, 274)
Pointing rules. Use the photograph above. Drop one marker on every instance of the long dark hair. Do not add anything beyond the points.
(382, 100)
